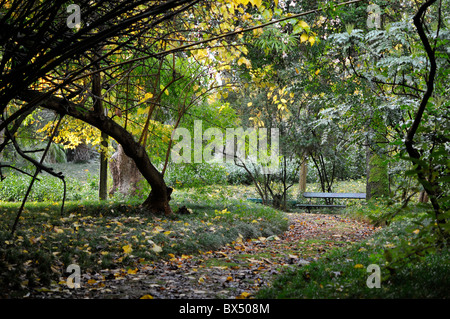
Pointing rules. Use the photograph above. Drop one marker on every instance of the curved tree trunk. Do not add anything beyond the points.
(159, 197)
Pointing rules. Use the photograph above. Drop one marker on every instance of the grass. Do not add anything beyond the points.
(411, 265)
(343, 274)
(102, 235)
(117, 234)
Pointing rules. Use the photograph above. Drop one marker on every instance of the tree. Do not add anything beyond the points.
(40, 64)
(45, 61)
(406, 67)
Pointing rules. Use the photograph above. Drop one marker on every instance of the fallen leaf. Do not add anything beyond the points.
(157, 249)
(58, 230)
(158, 229)
(127, 249)
(132, 271)
(243, 295)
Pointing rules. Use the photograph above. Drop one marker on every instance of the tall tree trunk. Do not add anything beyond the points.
(103, 178)
(302, 177)
(430, 186)
(98, 107)
(377, 184)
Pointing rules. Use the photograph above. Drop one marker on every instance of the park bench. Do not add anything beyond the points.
(311, 195)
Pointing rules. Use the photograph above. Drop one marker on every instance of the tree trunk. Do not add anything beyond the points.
(103, 178)
(302, 177)
(98, 107)
(125, 174)
(82, 153)
(158, 199)
(377, 175)
(423, 197)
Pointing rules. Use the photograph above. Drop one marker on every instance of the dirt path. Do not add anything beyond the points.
(236, 271)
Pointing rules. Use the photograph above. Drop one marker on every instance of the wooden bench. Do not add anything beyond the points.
(329, 195)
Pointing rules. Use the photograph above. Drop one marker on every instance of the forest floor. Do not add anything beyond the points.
(238, 270)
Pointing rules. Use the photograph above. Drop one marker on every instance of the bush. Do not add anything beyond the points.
(47, 188)
(197, 174)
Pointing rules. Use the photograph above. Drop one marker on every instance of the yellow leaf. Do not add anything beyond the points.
(256, 3)
(358, 266)
(303, 24)
(146, 297)
(249, 104)
(146, 97)
(132, 271)
(127, 249)
(158, 229)
(257, 32)
(317, 72)
(58, 230)
(243, 295)
(304, 38)
(243, 2)
(312, 40)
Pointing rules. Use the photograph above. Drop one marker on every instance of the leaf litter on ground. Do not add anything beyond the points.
(237, 270)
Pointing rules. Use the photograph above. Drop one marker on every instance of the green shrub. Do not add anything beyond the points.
(197, 174)
(47, 188)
